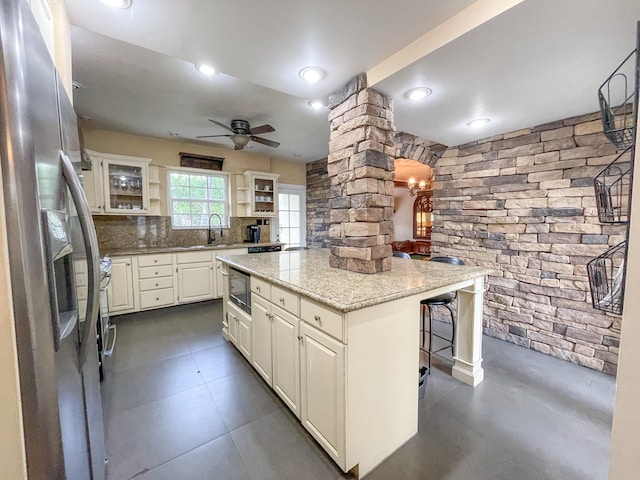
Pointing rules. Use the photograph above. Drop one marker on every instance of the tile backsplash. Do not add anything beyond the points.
(119, 231)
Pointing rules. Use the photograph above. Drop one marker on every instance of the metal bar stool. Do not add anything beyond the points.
(441, 300)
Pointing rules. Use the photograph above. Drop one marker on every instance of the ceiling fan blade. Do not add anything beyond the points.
(226, 127)
(262, 129)
(264, 141)
(211, 136)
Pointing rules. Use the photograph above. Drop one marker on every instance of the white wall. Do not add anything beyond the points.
(403, 214)
(625, 436)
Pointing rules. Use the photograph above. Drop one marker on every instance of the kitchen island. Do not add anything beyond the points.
(341, 349)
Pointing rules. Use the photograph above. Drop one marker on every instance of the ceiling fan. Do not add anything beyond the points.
(242, 133)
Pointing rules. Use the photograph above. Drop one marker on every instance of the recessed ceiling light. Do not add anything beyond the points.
(316, 104)
(206, 69)
(117, 3)
(297, 155)
(311, 74)
(419, 93)
(173, 134)
(478, 122)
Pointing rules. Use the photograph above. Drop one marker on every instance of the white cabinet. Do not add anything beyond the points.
(286, 354)
(240, 330)
(262, 319)
(125, 182)
(322, 385)
(118, 184)
(257, 194)
(196, 279)
(92, 184)
(155, 281)
(120, 291)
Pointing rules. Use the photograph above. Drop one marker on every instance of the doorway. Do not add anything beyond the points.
(291, 221)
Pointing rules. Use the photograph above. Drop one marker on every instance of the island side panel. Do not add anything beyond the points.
(468, 345)
(382, 380)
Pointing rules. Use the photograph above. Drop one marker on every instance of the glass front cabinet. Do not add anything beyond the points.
(117, 184)
(259, 195)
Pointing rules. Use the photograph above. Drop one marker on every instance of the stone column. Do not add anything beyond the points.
(361, 169)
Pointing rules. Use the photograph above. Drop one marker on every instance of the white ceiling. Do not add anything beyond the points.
(540, 61)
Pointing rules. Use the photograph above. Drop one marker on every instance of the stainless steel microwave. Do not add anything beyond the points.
(240, 289)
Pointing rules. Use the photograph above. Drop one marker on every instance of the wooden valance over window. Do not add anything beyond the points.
(194, 160)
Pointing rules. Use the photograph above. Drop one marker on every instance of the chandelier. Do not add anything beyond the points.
(415, 187)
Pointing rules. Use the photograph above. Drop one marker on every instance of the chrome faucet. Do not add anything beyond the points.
(211, 237)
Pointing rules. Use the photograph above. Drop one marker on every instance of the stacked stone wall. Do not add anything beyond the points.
(360, 167)
(318, 218)
(523, 205)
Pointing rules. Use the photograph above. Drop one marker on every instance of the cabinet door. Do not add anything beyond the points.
(120, 292)
(220, 280)
(261, 337)
(92, 185)
(232, 321)
(243, 335)
(263, 192)
(195, 282)
(126, 185)
(322, 385)
(286, 358)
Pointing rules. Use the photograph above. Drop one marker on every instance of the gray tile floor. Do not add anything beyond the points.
(182, 404)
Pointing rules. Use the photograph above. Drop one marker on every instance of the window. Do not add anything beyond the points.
(291, 215)
(194, 195)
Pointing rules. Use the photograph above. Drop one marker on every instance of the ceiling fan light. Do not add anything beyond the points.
(311, 74)
(478, 122)
(117, 3)
(316, 104)
(240, 140)
(206, 69)
(416, 94)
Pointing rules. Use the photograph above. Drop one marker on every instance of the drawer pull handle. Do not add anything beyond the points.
(282, 301)
(157, 284)
(317, 318)
(156, 273)
(155, 261)
(258, 288)
(300, 337)
(157, 299)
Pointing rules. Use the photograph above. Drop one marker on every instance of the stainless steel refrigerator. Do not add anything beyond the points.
(54, 262)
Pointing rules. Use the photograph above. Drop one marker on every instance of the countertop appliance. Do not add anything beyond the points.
(265, 248)
(53, 259)
(253, 234)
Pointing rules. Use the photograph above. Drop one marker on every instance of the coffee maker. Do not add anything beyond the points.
(253, 234)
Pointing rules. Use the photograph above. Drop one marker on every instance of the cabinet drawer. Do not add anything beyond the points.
(261, 287)
(155, 283)
(151, 272)
(322, 318)
(285, 299)
(194, 257)
(157, 298)
(153, 260)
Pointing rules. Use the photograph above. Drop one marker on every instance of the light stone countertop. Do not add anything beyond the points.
(307, 272)
(196, 248)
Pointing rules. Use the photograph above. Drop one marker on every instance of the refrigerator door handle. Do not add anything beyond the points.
(113, 334)
(93, 257)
